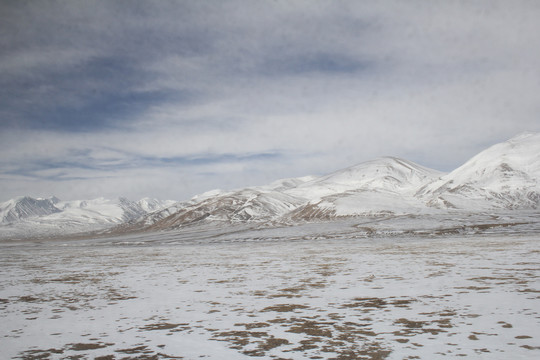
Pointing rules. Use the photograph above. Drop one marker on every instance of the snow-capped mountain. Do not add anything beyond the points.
(239, 206)
(381, 186)
(26, 216)
(504, 176)
(149, 205)
(25, 207)
(254, 204)
(385, 174)
(101, 210)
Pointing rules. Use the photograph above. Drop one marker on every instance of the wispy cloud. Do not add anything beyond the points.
(86, 166)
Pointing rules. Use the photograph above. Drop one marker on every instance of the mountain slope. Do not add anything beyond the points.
(53, 216)
(26, 207)
(382, 186)
(254, 204)
(101, 210)
(248, 205)
(386, 173)
(149, 205)
(504, 176)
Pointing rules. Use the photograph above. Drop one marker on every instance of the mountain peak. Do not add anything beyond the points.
(28, 216)
(26, 207)
(525, 136)
(384, 173)
(505, 175)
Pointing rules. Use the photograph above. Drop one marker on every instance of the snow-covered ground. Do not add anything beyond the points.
(337, 290)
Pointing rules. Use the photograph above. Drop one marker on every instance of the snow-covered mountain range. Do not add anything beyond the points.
(26, 207)
(382, 186)
(26, 216)
(504, 177)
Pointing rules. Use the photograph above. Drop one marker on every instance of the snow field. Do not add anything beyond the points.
(165, 296)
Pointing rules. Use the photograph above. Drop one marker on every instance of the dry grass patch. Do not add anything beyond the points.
(311, 328)
(88, 346)
(284, 308)
(39, 354)
(529, 347)
(256, 325)
(162, 326)
(376, 303)
(135, 350)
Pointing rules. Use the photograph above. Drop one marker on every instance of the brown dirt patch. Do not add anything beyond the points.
(284, 308)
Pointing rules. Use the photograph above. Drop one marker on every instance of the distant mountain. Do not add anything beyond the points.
(504, 176)
(105, 211)
(26, 216)
(385, 174)
(26, 207)
(383, 186)
(149, 205)
(254, 204)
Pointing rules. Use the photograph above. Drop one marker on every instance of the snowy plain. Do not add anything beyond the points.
(350, 289)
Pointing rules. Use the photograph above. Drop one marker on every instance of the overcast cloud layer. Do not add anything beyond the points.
(170, 99)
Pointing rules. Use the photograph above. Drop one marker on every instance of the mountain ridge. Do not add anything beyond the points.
(505, 176)
(389, 186)
(26, 216)
(23, 207)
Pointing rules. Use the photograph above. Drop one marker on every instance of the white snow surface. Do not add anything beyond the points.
(322, 290)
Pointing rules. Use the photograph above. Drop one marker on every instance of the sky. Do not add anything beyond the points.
(169, 99)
